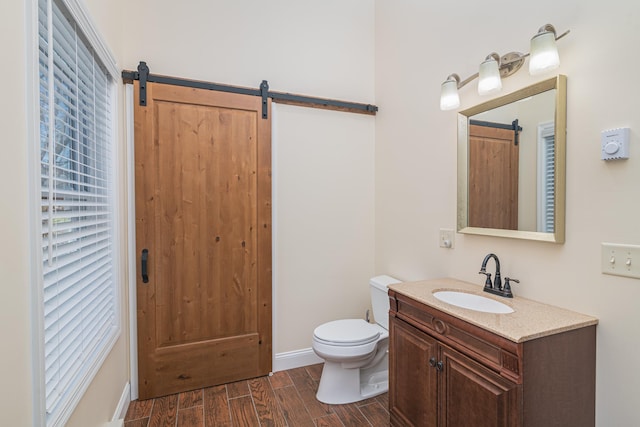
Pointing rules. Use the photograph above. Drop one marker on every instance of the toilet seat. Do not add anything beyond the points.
(347, 332)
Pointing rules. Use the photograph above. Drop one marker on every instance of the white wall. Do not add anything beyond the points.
(15, 323)
(323, 169)
(417, 45)
(323, 161)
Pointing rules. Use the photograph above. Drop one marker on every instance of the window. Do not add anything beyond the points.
(546, 177)
(78, 282)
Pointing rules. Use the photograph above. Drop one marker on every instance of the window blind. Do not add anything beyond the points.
(546, 177)
(76, 203)
(549, 183)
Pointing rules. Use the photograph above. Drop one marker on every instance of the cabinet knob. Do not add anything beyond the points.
(434, 364)
(439, 326)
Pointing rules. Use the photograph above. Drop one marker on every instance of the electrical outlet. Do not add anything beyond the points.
(446, 238)
(621, 260)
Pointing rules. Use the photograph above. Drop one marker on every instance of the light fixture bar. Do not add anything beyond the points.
(512, 57)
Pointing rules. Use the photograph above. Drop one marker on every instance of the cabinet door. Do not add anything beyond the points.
(412, 381)
(472, 395)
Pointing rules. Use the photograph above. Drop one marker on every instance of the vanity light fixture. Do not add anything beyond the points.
(449, 97)
(544, 53)
(489, 75)
(544, 57)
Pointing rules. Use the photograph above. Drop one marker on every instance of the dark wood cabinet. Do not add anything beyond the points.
(444, 371)
(430, 378)
(472, 395)
(413, 397)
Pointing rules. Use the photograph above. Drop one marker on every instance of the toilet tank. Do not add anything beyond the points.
(380, 299)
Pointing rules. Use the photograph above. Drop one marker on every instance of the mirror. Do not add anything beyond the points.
(511, 164)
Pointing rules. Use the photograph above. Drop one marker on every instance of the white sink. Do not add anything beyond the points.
(472, 302)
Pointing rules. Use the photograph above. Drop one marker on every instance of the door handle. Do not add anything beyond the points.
(143, 265)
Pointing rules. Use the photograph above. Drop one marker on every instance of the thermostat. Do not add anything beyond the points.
(615, 144)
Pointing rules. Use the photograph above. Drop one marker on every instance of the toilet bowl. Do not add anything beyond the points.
(355, 352)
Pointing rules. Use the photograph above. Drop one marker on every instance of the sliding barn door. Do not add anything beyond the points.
(493, 178)
(203, 238)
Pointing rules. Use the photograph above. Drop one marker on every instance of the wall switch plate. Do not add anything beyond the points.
(446, 238)
(621, 260)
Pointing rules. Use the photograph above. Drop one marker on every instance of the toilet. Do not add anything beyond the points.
(355, 352)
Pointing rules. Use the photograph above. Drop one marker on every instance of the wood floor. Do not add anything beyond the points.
(285, 399)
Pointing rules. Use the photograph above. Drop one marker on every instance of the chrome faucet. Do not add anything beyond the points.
(496, 287)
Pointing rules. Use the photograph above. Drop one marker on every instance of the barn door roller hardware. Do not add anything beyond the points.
(263, 92)
(514, 126)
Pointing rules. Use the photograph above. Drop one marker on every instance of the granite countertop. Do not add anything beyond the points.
(529, 320)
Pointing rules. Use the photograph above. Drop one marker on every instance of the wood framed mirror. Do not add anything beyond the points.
(511, 164)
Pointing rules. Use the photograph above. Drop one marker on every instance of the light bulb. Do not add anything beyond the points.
(449, 98)
(489, 77)
(544, 53)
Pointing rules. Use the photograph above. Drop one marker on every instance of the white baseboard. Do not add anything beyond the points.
(121, 410)
(295, 359)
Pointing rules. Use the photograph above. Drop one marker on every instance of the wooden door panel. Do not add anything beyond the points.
(206, 226)
(214, 362)
(203, 209)
(412, 382)
(493, 178)
(472, 395)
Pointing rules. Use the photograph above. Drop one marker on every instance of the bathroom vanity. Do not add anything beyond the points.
(451, 366)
